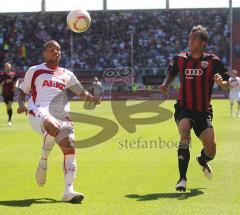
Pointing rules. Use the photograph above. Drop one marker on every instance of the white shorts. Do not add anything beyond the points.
(37, 117)
(234, 96)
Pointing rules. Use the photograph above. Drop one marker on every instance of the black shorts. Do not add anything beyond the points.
(199, 120)
(8, 99)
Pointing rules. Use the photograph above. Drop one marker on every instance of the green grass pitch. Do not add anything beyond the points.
(117, 179)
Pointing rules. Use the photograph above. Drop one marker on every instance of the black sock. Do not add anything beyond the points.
(183, 159)
(204, 158)
(9, 111)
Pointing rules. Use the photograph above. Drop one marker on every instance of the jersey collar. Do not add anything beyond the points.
(201, 58)
(52, 68)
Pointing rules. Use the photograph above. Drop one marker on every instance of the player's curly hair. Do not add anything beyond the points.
(202, 31)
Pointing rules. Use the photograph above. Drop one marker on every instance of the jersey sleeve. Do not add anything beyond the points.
(73, 83)
(25, 86)
(72, 80)
(173, 68)
(218, 67)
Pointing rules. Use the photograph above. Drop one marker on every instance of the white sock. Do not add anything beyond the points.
(48, 143)
(70, 169)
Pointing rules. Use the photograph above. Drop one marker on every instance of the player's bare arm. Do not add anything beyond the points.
(89, 97)
(168, 80)
(21, 100)
(220, 82)
(15, 85)
(78, 90)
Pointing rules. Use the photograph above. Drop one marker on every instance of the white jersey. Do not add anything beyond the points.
(47, 88)
(97, 88)
(234, 89)
(234, 84)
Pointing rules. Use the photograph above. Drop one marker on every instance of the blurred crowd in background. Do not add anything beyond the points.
(154, 36)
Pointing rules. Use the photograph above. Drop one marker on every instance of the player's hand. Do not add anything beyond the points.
(163, 88)
(218, 79)
(96, 100)
(22, 109)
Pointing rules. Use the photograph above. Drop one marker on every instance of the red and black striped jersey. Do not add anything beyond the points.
(196, 79)
(8, 80)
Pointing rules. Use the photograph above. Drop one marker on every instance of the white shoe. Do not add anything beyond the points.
(181, 185)
(207, 171)
(41, 175)
(9, 123)
(73, 197)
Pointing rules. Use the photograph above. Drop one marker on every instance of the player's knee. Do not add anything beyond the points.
(9, 110)
(67, 146)
(65, 138)
(9, 106)
(51, 127)
(185, 137)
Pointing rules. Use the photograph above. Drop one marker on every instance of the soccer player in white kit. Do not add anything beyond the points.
(48, 111)
(97, 87)
(234, 83)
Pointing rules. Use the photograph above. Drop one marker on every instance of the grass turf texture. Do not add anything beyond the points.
(116, 179)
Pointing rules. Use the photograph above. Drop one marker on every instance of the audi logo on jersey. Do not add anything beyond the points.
(193, 72)
(55, 84)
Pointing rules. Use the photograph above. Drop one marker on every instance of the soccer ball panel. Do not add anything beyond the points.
(78, 20)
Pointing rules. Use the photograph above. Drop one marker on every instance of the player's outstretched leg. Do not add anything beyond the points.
(183, 160)
(51, 128)
(231, 109)
(65, 139)
(70, 169)
(238, 109)
(208, 152)
(48, 143)
(9, 113)
(184, 127)
(202, 161)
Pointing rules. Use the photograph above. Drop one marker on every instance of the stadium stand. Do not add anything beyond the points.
(108, 42)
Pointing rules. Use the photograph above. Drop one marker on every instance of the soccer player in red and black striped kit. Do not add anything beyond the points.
(9, 80)
(198, 71)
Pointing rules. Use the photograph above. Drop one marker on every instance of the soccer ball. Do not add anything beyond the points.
(78, 20)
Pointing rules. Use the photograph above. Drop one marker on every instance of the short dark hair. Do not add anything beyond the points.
(234, 71)
(202, 31)
(48, 43)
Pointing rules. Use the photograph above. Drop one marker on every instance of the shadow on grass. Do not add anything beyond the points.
(180, 196)
(28, 202)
